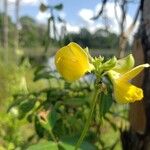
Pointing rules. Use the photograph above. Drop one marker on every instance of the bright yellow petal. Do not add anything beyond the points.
(72, 62)
(133, 72)
(125, 92)
(77, 51)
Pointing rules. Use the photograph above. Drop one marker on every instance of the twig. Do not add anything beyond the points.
(101, 10)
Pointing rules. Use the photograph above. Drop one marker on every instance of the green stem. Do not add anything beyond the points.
(53, 136)
(87, 124)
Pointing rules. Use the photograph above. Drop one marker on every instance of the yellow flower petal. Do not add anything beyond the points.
(72, 62)
(125, 92)
(133, 72)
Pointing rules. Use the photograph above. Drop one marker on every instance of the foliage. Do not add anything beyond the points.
(31, 34)
(13, 79)
(11, 27)
(46, 111)
(100, 39)
(58, 112)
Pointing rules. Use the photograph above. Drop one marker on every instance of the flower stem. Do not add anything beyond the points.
(86, 127)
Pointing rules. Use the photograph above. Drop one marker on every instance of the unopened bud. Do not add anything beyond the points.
(124, 64)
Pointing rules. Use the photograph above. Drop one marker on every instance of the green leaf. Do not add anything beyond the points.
(58, 6)
(52, 118)
(15, 103)
(105, 103)
(43, 72)
(44, 75)
(49, 145)
(40, 69)
(25, 107)
(70, 142)
(43, 7)
(113, 125)
(66, 146)
(38, 127)
(87, 146)
(76, 101)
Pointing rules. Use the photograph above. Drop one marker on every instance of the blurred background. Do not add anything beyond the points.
(38, 108)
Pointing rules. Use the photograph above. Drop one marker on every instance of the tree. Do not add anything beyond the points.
(51, 22)
(29, 36)
(17, 23)
(101, 39)
(5, 27)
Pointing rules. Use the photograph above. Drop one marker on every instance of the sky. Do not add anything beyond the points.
(77, 13)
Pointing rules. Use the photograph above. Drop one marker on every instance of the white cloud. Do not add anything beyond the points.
(42, 17)
(96, 26)
(72, 28)
(86, 15)
(69, 27)
(26, 2)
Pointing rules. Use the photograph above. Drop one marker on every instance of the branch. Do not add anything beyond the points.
(116, 15)
(101, 10)
(124, 36)
(131, 27)
(123, 8)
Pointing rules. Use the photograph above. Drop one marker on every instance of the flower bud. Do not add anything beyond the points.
(124, 64)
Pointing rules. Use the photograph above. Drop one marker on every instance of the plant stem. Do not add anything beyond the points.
(86, 127)
(53, 136)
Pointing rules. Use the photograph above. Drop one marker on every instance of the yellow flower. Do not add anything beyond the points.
(72, 62)
(124, 91)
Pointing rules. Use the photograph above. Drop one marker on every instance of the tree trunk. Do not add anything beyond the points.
(5, 27)
(17, 24)
(138, 138)
(146, 83)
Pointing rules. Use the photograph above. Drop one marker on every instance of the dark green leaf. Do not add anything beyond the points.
(38, 127)
(69, 144)
(76, 100)
(43, 7)
(25, 107)
(58, 6)
(39, 69)
(52, 118)
(44, 75)
(105, 103)
(16, 102)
